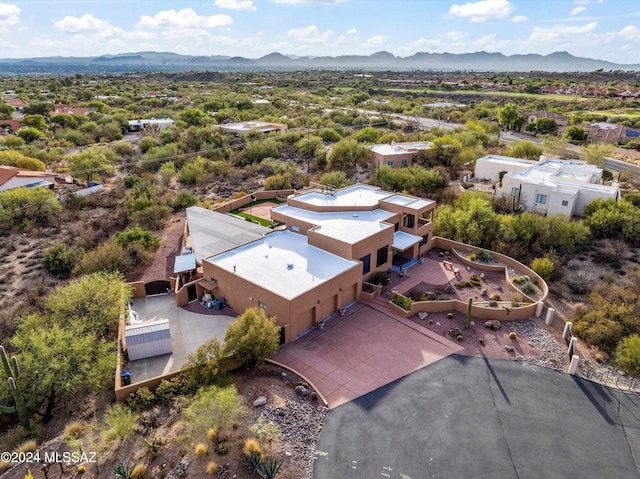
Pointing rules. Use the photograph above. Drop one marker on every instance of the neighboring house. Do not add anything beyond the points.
(160, 124)
(329, 243)
(11, 177)
(9, 126)
(603, 132)
(17, 104)
(549, 186)
(252, 126)
(561, 120)
(396, 155)
(71, 110)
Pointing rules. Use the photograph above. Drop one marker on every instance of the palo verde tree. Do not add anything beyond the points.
(510, 117)
(252, 337)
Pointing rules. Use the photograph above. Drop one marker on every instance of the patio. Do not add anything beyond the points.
(188, 331)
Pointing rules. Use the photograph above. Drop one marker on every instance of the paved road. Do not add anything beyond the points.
(471, 417)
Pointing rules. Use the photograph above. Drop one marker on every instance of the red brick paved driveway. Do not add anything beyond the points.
(362, 351)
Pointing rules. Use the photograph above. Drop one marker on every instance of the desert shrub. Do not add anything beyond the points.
(74, 430)
(543, 267)
(495, 297)
(268, 468)
(28, 446)
(251, 446)
(153, 217)
(222, 448)
(481, 255)
(459, 337)
(185, 199)
(252, 460)
(141, 400)
(108, 257)
(138, 471)
(516, 299)
(381, 278)
(628, 353)
(493, 303)
(402, 301)
(252, 337)
(417, 295)
(578, 283)
(136, 234)
(212, 435)
(212, 468)
(527, 288)
(153, 445)
(169, 389)
(119, 423)
(450, 315)
(60, 259)
(475, 280)
(192, 172)
(205, 366)
(201, 449)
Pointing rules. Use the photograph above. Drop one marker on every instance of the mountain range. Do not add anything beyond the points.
(478, 61)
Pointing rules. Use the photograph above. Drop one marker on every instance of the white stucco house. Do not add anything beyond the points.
(549, 186)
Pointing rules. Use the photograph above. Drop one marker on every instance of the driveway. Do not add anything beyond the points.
(361, 351)
(471, 417)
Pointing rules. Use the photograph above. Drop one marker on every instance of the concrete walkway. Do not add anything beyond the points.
(188, 331)
(469, 417)
(360, 352)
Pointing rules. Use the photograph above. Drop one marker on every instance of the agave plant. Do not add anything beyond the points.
(124, 470)
(252, 460)
(268, 468)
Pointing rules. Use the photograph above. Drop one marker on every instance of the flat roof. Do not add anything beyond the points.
(402, 240)
(252, 126)
(409, 202)
(356, 195)
(507, 160)
(388, 149)
(212, 232)
(184, 262)
(284, 263)
(347, 226)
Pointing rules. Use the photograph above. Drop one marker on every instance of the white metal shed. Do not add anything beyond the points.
(148, 339)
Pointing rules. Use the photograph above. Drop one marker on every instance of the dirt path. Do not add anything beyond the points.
(161, 266)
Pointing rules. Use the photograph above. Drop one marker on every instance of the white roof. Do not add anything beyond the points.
(387, 149)
(402, 240)
(506, 160)
(284, 263)
(347, 226)
(409, 202)
(252, 126)
(356, 195)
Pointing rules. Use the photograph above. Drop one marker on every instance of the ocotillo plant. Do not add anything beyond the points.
(467, 323)
(20, 407)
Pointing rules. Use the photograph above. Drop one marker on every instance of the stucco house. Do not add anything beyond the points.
(315, 262)
(12, 177)
(603, 132)
(396, 155)
(252, 126)
(549, 186)
(561, 120)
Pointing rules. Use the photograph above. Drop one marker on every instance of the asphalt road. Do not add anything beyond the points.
(471, 417)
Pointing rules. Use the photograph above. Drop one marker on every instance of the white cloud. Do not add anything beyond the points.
(352, 31)
(482, 11)
(310, 35)
(580, 2)
(630, 33)
(235, 4)
(577, 10)
(9, 14)
(489, 42)
(454, 35)
(377, 40)
(519, 19)
(86, 23)
(297, 2)
(185, 18)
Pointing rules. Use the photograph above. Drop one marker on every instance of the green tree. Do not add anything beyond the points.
(212, 408)
(337, 179)
(471, 220)
(614, 219)
(628, 353)
(346, 153)
(6, 111)
(205, 366)
(252, 337)
(510, 117)
(71, 360)
(595, 153)
(279, 181)
(256, 151)
(22, 207)
(185, 199)
(575, 134)
(360, 97)
(193, 116)
(135, 234)
(367, 135)
(92, 163)
(192, 171)
(167, 171)
(30, 134)
(543, 267)
(93, 303)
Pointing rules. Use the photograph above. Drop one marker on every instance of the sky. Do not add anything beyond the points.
(600, 29)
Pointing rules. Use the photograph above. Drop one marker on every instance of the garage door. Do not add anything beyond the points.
(303, 322)
(327, 307)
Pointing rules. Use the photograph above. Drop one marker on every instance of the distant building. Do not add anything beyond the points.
(252, 126)
(71, 110)
(9, 126)
(549, 186)
(560, 120)
(396, 155)
(603, 132)
(159, 123)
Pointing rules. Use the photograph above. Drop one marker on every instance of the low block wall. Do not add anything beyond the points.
(245, 200)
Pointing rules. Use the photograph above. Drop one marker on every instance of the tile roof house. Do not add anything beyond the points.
(603, 132)
(11, 177)
(71, 110)
(9, 126)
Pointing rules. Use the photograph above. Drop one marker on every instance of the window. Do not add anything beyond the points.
(396, 226)
(366, 264)
(425, 240)
(383, 255)
(390, 163)
(408, 221)
(404, 162)
(541, 199)
(514, 191)
(565, 203)
(262, 305)
(294, 228)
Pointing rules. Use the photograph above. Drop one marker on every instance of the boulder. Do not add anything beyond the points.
(302, 391)
(423, 315)
(493, 325)
(260, 401)
(509, 348)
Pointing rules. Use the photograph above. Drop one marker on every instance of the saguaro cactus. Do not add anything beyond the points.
(467, 323)
(21, 407)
